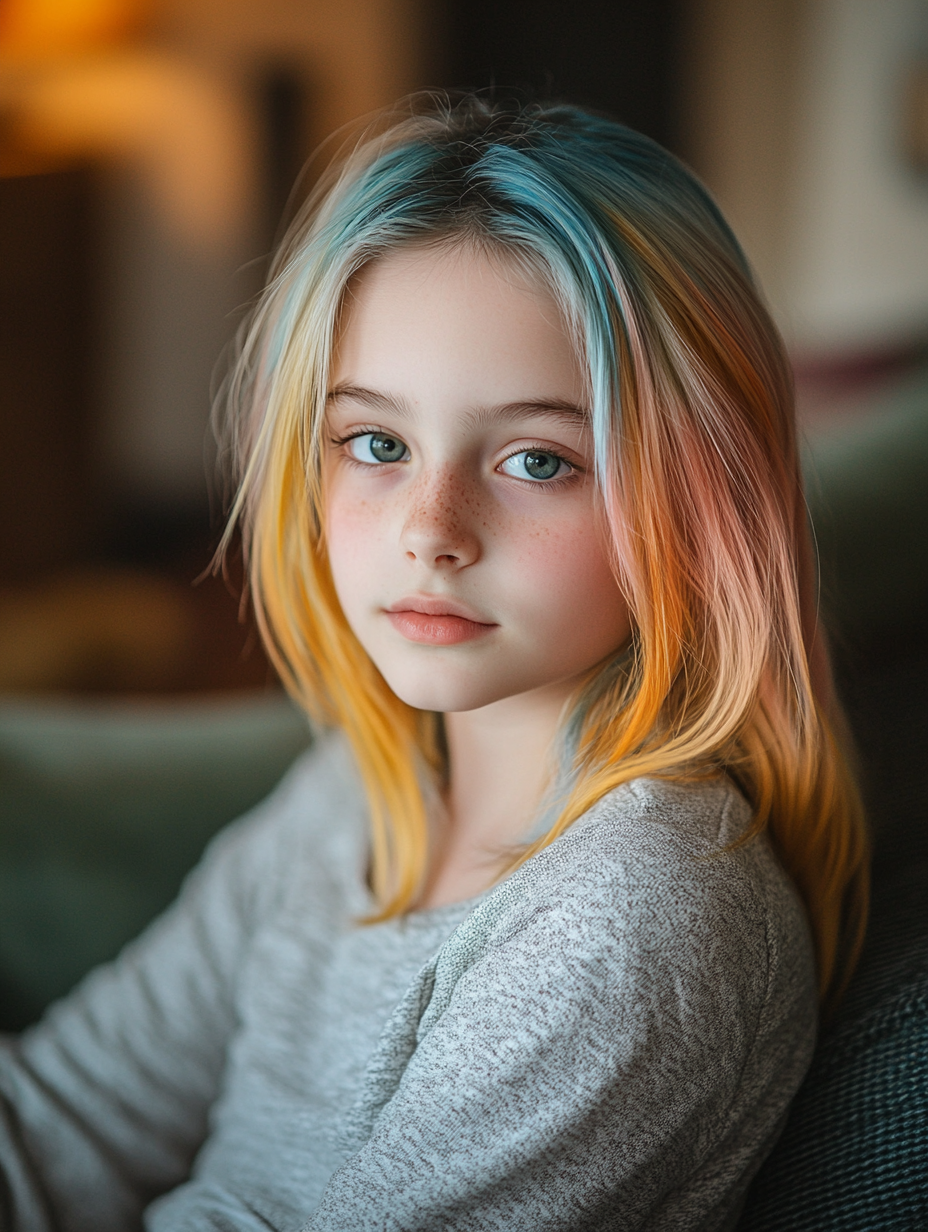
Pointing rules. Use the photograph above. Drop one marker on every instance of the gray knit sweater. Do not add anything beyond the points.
(607, 1040)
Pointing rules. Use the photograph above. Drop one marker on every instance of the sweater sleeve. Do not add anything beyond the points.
(596, 1065)
(104, 1103)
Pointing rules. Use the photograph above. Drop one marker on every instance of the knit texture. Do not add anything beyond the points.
(854, 1155)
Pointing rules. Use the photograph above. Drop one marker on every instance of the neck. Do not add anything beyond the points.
(501, 759)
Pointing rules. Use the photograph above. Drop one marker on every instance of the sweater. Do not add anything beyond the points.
(607, 1039)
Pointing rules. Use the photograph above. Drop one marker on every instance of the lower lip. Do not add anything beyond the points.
(437, 630)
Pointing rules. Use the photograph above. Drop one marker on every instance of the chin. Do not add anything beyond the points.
(432, 690)
(443, 701)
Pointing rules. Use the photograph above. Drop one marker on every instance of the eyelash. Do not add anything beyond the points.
(338, 442)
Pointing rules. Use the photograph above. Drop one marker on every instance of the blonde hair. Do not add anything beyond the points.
(696, 461)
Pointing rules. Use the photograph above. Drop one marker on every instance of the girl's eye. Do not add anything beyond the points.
(537, 465)
(374, 447)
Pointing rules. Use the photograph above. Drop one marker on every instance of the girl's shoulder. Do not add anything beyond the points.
(669, 838)
(658, 875)
(681, 818)
(681, 858)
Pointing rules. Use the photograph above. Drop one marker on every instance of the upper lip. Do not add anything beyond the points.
(435, 605)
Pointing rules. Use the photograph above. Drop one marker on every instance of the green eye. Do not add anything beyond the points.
(536, 464)
(542, 465)
(387, 448)
(375, 447)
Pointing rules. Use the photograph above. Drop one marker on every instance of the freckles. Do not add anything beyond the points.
(445, 507)
(555, 540)
(570, 557)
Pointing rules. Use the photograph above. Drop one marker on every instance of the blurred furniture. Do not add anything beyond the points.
(114, 629)
(104, 806)
(854, 1154)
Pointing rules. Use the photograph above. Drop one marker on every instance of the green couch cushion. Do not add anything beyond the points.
(104, 806)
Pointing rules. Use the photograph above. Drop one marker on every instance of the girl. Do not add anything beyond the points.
(534, 938)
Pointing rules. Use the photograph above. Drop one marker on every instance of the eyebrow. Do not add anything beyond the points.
(367, 397)
(560, 408)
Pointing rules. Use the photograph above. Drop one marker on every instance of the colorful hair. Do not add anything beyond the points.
(696, 461)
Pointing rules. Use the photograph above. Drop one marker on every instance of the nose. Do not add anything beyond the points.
(439, 527)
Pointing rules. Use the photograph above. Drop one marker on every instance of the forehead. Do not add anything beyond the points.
(427, 320)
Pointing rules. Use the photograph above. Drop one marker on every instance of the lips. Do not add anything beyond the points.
(433, 621)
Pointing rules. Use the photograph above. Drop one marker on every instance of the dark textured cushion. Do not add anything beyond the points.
(854, 1153)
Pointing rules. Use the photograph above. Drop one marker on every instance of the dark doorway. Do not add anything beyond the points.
(46, 501)
(617, 56)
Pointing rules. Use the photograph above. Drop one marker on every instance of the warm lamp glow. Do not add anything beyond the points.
(31, 29)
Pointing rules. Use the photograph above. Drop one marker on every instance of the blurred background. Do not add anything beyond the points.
(149, 150)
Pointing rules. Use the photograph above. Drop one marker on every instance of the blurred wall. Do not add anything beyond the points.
(857, 268)
(355, 55)
(171, 304)
(739, 115)
(797, 119)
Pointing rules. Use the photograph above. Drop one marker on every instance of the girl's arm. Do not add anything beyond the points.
(104, 1104)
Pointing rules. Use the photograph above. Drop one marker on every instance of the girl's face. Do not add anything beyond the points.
(461, 525)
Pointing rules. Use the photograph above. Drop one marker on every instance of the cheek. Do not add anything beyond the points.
(352, 530)
(565, 570)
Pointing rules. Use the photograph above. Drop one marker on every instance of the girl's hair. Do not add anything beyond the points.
(696, 462)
